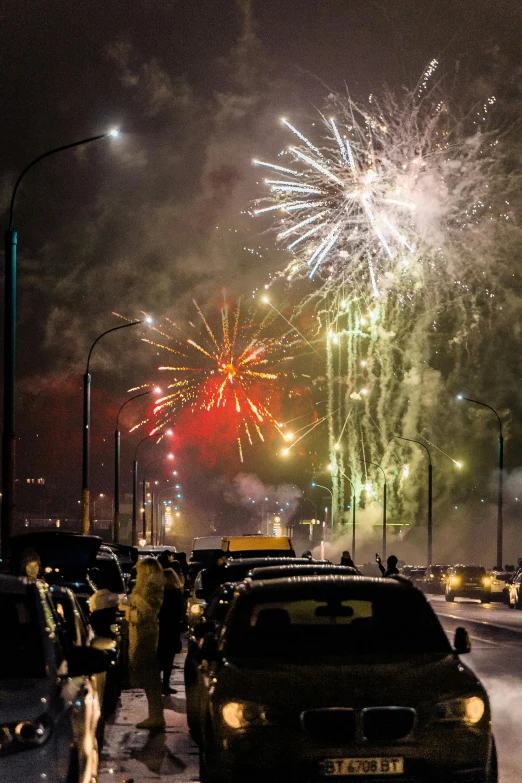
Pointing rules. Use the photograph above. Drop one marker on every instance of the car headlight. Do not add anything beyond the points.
(466, 710)
(24, 734)
(196, 609)
(486, 581)
(240, 714)
(455, 580)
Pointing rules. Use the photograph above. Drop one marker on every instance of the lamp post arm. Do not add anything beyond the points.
(323, 487)
(418, 442)
(484, 405)
(126, 403)
(37, 160)
(114, 329)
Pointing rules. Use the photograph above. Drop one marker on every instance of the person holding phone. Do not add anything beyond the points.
(391, 562)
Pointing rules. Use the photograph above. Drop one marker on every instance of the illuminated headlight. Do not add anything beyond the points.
(455, 580)
(240, 714)
(469, 711)
(486, 581)
(25, 734)
(196, 609)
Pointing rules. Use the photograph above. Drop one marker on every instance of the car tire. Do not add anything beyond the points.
(73, 776)
(518, 603)
(449, 598)
(486, 599)
(492, 770)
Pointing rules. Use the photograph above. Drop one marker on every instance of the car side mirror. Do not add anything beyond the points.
(103, 643)
(85, 661)
(461, 644)
(203, 628)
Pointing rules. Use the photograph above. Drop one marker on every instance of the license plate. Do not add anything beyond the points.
(388, 765)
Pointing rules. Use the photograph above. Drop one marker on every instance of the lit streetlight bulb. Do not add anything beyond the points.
(115, 133)
(337, 446)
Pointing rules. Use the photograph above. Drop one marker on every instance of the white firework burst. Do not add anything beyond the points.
(386, 185)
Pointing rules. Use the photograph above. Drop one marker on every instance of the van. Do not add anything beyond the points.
(257, 546)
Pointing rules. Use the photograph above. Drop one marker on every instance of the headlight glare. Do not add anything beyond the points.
(455, 580)
(465, 710)
(486, 581)
(240, 715)
(196, 609)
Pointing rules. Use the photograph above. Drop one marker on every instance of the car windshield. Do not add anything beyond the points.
(439, 570)
(472, 572)
(338, 626)
(21, 651)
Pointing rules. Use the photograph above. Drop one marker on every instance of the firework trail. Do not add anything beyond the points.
(394, 213)
(236, 371)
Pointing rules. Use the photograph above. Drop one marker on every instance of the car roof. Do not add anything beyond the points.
(258, 562)
(297, 569)
(322, 586)
(14, 584)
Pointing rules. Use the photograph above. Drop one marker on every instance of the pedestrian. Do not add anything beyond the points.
(213, 577)
(391, 562)
(346, 559)
(30, 564)
(170, 622)
(143, 617)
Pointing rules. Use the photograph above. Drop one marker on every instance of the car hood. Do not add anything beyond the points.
(409, 681)
(24, 699)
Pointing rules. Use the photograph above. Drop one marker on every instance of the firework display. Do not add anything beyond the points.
(237, 371)
(393, 211)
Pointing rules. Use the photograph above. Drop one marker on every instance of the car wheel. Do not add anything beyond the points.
(449, 597)
(486, 599)
(518, 603)
(492, 770)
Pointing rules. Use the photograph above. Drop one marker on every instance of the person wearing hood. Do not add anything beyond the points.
(143, 618)
(170, 622)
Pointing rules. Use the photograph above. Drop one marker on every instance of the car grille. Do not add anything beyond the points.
(387, 723)
(333, 724)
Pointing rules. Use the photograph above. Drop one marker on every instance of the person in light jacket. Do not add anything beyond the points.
(143, 618)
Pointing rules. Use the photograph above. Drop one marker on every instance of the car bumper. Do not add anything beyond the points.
(445, 755)
(470, 592)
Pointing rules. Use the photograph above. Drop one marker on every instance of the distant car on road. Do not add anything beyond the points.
(49, 705)
(468, 581)
(330, 676)
(434, 580)
(417, 575)
(500, 584)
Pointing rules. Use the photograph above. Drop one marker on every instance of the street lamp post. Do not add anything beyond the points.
(384, 493)
(9, 364)
(134, 534)
(314, 484)
(353, 512)
(87, 427)
(116, 528)
(500, 500)
(430, 496)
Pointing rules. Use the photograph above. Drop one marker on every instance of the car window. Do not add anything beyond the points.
(471, 571)
(309, 627)
(107, 574)
(21, 651)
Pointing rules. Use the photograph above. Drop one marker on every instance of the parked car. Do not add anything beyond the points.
(216, 612)
(515, 591)
(339, 676)
(499, 585)
(468, 581)
(85, 565)
(417, 575)
(49, 705)
(434, 580)
(235, 571)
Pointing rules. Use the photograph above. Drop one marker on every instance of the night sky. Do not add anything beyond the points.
(147, 222)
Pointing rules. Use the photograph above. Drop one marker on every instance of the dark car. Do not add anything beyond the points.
(127, 557)
(434, 580)
(468, 581)
(49, 705)
(235, 570)
(417, 575)
(215, 614)
(340, 677)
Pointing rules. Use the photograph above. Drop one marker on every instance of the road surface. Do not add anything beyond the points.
(132, 756)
